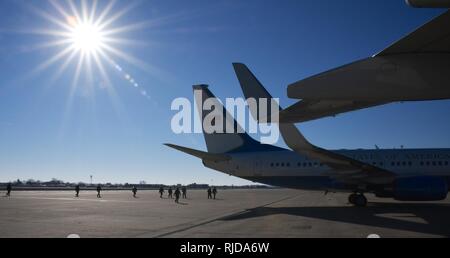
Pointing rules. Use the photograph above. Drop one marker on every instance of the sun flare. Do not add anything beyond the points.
(86, 37)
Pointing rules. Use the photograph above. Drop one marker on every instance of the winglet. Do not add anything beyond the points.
(293, 138)
(253, 89)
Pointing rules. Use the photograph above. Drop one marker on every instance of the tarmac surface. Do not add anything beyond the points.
(235, 214)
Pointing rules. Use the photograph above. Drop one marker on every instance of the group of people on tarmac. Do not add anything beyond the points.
(99, 191)
(77, 190)
(212, 192)
(177, 193)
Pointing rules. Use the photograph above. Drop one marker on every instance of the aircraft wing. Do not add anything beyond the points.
(402, 72)
(346, 169)
(307, 110)
(304, 110)
(433, 37)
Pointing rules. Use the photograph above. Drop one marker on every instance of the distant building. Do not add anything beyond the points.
(198, 186)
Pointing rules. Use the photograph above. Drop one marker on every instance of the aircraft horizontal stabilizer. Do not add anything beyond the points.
(200, 154)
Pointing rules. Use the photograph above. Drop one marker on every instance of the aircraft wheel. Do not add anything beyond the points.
(360, 200)
(352, 198)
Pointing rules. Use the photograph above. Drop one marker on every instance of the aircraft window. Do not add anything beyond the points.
(446, 163)
(381, 163)
(288, 164)
(404, 163)
(310, 164)
(282, 164)
(321, 164)
(428, 163)
(434, 163)
(299, 164)
(440, 163)
(421, 163)
(271, 164)
(399, 164)
(315, 164)
(393, 164)
(278, 164)
(304, 164)
(409, 163)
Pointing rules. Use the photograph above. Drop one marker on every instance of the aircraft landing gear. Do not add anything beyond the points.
(358, 200)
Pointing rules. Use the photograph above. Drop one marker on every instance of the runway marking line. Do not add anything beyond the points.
(231, 214)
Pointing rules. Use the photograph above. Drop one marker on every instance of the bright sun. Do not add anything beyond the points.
(86, 34)
(87, 38)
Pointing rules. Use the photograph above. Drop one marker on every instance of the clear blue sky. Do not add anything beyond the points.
(42, 136)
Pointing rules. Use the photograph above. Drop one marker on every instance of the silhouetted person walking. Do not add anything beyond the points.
(134, 190)
(184, 191)
(209, 193)
(170, 193)
(77, 191)
(177, 194)
(161, 192)
(99, 189)
(214, 191)
(8, 189)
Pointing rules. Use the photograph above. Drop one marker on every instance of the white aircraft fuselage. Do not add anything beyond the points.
(285, 168)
